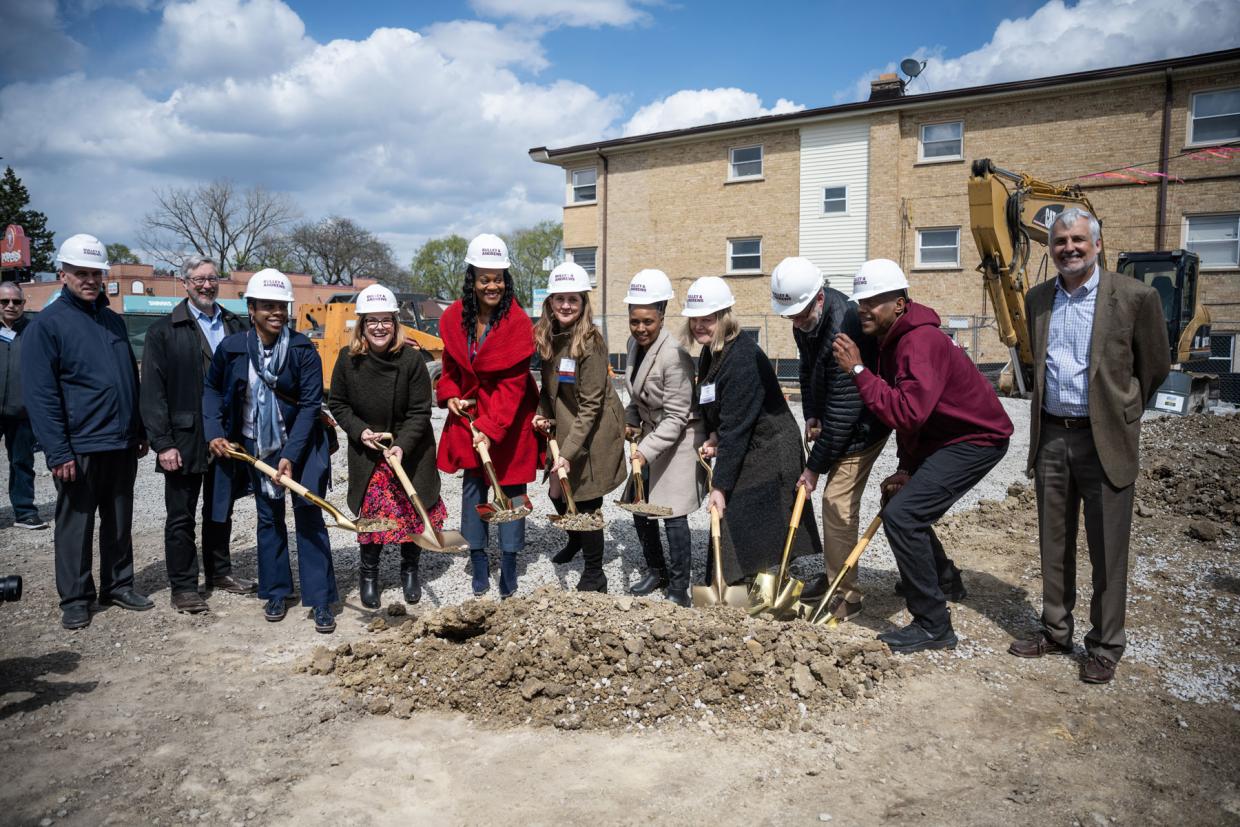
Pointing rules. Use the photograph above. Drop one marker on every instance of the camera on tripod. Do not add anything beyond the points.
(10, 588)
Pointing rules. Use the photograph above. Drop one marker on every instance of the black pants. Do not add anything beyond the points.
(908, 521)
(181, 492)
(105, 484)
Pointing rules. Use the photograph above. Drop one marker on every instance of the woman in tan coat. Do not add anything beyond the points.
(579, 407)
(662, 419)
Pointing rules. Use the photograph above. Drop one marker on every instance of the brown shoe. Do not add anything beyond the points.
(234, 585)
(842, 610)
(189, 602)
(1098, 669)
(1036, 647)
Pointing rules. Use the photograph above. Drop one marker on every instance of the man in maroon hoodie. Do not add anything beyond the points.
(950, 431)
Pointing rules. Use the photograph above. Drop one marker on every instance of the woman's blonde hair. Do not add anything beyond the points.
(358, 344)
(727, 328)
(584, 331)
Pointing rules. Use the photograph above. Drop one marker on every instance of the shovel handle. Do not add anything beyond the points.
(849, 563)
(407, 484)
(562, 474)
(485, 454)
(715, 530)
(292, 485)
(798, 507)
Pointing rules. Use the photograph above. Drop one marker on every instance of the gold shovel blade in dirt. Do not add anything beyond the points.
(818, 614)
(430, 539)
(574, 520)
(718, 593)
(777, 593)
(638, 505)
(504, 509)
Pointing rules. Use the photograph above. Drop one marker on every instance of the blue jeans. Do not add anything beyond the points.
(475, 490)
(19, 445)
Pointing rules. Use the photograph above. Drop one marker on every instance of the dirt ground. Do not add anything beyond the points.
(159, 718)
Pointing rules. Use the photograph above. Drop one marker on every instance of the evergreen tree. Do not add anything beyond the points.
(13, 201)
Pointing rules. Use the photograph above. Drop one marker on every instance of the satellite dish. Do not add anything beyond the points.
(912, 67)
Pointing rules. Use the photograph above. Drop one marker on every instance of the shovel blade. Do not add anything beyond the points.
(761, 594)
(447, 542)
(736, 597)
(704, 597)
(645, 509)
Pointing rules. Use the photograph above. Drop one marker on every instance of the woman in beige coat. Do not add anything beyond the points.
(662, 419)
(579, 402)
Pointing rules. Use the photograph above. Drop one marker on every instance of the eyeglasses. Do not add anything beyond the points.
(199, 282)
(7, 302)
(380, 323)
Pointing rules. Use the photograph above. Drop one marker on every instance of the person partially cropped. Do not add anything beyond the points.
(752, 435)
(579, 408)
(380, 385)
(488, 342)
(265, 391)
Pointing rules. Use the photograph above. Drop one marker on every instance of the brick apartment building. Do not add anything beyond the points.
(888, 178)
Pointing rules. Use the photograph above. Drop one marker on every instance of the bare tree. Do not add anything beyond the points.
(217, 221)
(336, 251)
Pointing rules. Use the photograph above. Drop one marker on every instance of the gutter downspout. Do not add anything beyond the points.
(603, 243)
(1160, 217)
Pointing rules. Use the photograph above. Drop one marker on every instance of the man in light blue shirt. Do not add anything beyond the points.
(1067, 348)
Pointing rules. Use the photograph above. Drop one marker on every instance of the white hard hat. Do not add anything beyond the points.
(269, 285)
(84, 250)
(876, 276)
(569, 277)
(377, 299)
(707, 295)
(795, 282)
(649, 287)
(488, 251)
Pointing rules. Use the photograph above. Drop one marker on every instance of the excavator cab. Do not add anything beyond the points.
(1174, 275)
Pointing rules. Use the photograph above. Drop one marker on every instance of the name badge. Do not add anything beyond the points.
(7, 335)
(568, 370)
(707, 394)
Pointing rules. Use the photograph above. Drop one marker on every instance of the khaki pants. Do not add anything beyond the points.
(841, 513)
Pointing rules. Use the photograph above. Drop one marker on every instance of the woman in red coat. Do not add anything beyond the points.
(488, 341)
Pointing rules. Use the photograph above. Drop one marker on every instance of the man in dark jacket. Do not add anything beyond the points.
(81, 390)
(950, 431)
(175, 358)
(845, 437)
(14, 423)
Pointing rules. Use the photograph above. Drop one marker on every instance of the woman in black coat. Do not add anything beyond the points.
(381, 385)
(752, 435)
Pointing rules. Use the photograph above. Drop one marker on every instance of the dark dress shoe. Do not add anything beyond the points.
(1098, 669)
(234, 585)
(652, 581)
(324, 621)
(411, 587)
(680, 597)
(275, 610)
(914, 638)
(75, 616)
(1036, 647)
(128, 599)
(189, 602)
(593, 581)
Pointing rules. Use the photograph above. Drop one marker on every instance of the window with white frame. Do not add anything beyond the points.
(938, 247)
(744, 255)
(583, 183)
(941, 141)
(745, 162)
(1215, 117)
(1215, 238)
(835, 199)
(585, 257)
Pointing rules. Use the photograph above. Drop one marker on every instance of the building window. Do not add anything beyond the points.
(752, 333)
(744, 255)
(835, 199)
(1215, 238)
(584, 187)
(584, 256)
(939, 247)
(745, 162)
(941, 142)
(1215, 117)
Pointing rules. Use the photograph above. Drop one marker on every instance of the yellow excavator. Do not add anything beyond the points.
(1006, 222)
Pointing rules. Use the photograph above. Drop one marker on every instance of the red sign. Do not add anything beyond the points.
(15, 248)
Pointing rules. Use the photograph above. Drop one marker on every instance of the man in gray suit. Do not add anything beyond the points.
(1100, 351)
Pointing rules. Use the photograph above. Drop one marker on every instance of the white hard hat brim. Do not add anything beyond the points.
(791, 309)
(697, 312)
(93, 265)
(489, 265)
(871, 292)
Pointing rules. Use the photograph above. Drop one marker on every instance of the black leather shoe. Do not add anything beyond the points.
(593, 581)
(410, 586)
(75, 616)
(680, 597)
(128, 599)
(652, 581)
(189, 603)
(324, 621)
(234, 585)
(275, 610)
(914, 638)
(1036, 647)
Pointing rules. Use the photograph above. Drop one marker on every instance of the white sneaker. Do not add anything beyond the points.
(33, 524)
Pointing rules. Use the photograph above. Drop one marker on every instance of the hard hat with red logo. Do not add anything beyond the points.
(269, 285)
(83, 250)
(795, 282)
(649, 287)
(377, 299)
(707, 295)
(488, 251)
(568, 277)
(878, 276)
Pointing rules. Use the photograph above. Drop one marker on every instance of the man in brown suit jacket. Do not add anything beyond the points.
(1099, 351)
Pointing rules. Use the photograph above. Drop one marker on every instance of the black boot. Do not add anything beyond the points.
(368, 575)
(653, 580)
(409, 557)
(652, 550)
(680, 557)
(566, 554)
(592, 577)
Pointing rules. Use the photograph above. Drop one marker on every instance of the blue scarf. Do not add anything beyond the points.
(269, 435)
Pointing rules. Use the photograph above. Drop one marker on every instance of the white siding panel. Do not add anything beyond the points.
(834, 155)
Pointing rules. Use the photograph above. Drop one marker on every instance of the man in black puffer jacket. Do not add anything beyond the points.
(845, 436)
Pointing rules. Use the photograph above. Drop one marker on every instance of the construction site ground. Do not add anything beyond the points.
(638, 711)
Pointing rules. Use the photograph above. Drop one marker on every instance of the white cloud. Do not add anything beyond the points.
(567, 12)
(35, 44)
(231, 38)
(693, 107)
(1058, 39)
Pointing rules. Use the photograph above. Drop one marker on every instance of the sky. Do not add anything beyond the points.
(415, 118)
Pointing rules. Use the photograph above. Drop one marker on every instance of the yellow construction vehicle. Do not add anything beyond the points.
(329, 326)
(1007, 221)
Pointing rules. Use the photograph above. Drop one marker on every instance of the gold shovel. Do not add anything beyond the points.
(573, 520)
(639, 504)
(819, 613)
(365, 526)
(430, 538)
(719, 592)
(778, 593)
(508, 510)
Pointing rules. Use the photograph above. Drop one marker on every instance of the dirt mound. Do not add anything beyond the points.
(1190, 466)
(586, 661)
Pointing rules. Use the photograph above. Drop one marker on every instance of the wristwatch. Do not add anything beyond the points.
(856, 371)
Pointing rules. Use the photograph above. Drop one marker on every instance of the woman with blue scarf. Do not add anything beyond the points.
(265, 391)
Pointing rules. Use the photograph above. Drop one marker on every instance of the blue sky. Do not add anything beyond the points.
(414, 118)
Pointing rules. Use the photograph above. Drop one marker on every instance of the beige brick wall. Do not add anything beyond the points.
(581, 226)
